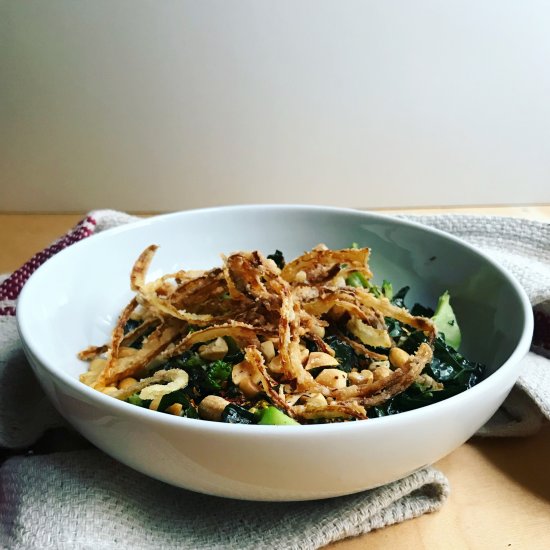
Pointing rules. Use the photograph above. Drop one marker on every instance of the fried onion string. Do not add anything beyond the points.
(276, 318)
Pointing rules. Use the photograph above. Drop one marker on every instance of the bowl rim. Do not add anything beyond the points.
(125, 409)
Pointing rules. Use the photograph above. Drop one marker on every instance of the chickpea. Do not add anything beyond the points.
(214, 350)
(381, 372)
(320, 359)
(212, 406)
(268, 350)
(359, 378)
(398, 357)
(333, 378)
(175, 409)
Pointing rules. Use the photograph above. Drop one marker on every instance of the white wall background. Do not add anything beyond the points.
(172, 104)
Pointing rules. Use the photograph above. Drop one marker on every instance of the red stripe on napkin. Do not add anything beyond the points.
(11, 287)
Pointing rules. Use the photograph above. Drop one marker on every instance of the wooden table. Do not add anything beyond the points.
(500, 488)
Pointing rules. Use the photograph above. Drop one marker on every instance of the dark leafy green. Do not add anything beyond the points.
(278, 258)
(422, 311)
(387, 289)
(344, 353)
(178, 396)
(398, 298)
(234, 354)
(135, 399)
(235, 414)
(131, 325)
(448, 366)
(395, 328)
(357, 280)
(204, 376)
(209, 377)
(191, 412)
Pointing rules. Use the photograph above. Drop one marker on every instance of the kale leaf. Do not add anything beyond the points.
(234, 414)
(131, 324)
(278, 258)
(216, 373)
(234, 354)
(204, 376)
(422, 311)
(178, 396)
(135, 399)
(345, 354)
(448, 366)
(398, 298)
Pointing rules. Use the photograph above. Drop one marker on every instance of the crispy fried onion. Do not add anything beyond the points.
(157, 386)
(132, 362)
(275, 316)
(322, 264)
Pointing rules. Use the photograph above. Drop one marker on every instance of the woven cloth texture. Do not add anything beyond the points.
(83, 499)
(521, 246)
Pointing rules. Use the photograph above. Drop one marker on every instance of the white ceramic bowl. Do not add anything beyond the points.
(73, 300)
